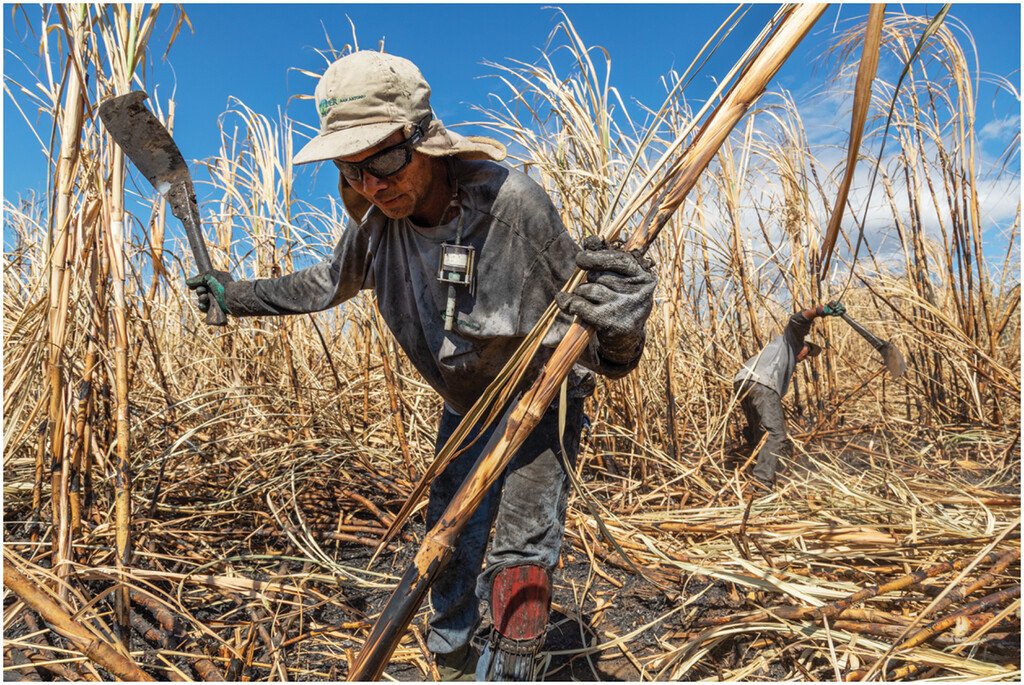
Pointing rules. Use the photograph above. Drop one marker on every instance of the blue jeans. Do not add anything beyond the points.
(526, 505)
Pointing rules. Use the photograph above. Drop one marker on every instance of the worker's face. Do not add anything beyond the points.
(404, 194)
(802, 354)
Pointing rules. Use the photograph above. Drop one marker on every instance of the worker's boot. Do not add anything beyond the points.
(520, 599)
(458, 665)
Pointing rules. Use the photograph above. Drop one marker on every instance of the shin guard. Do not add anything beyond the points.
(520, 599)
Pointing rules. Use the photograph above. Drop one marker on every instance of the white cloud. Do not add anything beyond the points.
(1000, 129)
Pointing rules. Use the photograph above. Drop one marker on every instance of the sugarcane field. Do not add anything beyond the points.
(660, 343)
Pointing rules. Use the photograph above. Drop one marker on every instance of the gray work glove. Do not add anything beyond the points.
(215, 283)
(615, 300)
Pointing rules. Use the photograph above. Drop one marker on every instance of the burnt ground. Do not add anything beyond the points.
(314, 635)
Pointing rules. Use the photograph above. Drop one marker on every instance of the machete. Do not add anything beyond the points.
(148, 144)
(892, 357)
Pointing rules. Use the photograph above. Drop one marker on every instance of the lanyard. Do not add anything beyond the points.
(456, 262)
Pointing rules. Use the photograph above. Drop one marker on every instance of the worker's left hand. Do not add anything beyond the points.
(615, 300)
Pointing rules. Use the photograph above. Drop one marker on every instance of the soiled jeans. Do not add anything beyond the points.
(763, 409)
(526, 505)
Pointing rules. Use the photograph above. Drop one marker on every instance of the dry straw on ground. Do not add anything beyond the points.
(229, 486)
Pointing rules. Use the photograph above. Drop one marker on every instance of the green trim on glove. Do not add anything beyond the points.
(833, 309)
(212, 285)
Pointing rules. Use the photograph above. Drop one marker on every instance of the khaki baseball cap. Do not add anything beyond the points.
(366, 96)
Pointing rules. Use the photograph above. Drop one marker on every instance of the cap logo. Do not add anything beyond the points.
(327, 103)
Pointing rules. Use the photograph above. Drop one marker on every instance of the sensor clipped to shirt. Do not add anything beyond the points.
(455, 268)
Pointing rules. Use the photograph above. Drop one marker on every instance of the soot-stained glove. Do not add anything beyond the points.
(215, 283)
(615, 300)
(833, 309)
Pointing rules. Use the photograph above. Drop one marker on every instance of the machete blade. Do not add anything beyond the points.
(891, 355)
(150, 147)
(144, 140)
(894, 360)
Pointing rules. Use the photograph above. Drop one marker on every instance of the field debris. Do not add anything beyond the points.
(192, 503)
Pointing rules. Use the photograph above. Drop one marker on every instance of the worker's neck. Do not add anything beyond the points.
(437, 207)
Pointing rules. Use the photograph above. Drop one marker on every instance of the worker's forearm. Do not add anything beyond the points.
(799, 326)
(308, 290)
(312, 289)
(814, 313)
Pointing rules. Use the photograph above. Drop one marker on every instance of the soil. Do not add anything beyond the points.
(591, 607)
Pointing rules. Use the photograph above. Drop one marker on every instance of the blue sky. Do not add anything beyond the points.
(248, 51)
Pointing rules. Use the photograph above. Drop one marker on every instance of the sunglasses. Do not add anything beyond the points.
(388, 161)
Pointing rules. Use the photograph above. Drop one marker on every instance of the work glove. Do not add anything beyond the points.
(615, 300)
(214, 283)
(833, 309)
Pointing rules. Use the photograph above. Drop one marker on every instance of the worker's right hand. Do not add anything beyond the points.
(214, 283)
(833, 309)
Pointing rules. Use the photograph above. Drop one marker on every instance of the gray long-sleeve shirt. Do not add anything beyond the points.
(773, 366)
(523, 257)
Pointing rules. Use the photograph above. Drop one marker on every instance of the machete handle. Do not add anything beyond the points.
(873, 339)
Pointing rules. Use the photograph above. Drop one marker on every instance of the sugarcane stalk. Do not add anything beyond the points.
(368, 340)
(68, 672)
(737, 258)
(84, 640)
(99, 399)
(285, 333)
(209, 671)
(37, 484)
(843, 608)
(945, 623)
(20, 666)
(83, 393)
(125, 50)
(910, 579)
(170, 634)
(1001, 564)
(673, 437)
(167, 620)
(122, 470)
(390, 382)
(59, 285)
(896, 631)
(968, 641)
(526, 414)
(948, 621)
(150, 632)
(861, 105)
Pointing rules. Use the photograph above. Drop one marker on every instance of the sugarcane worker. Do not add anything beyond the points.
(762, 382)
(464, 254)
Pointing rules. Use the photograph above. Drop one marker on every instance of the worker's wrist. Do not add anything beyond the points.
(616, 359)
(242, 300)
(812, 313)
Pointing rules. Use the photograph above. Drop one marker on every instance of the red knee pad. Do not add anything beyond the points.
(520, 599)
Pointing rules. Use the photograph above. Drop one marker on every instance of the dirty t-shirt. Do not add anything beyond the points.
(523, 257)
(773, 366)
